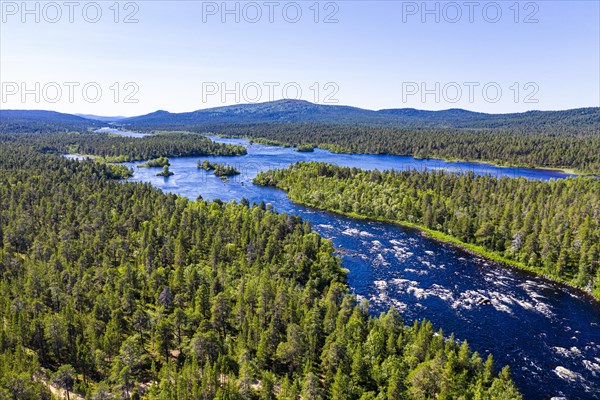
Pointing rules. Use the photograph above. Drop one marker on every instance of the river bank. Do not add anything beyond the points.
(470, 248)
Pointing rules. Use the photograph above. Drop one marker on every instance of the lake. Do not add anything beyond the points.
(119, 132)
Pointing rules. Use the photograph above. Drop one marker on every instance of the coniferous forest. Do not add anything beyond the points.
(307, 200)
(113, 148)
(117, 290)
(549, 227)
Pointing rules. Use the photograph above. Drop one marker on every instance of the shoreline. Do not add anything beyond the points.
(469, 248)
(325, 146)
(562, 170)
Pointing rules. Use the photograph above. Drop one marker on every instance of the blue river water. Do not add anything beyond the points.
(548, 333)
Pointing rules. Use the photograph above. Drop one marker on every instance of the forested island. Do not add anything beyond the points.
(220, 170)
(165, 172)
(118, 289)
(156, 163)
(551, 228)
(305, 148)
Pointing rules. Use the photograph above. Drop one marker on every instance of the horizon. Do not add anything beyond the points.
(83, 115)
(126, 58)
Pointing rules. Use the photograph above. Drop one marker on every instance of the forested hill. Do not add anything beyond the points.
(549, 227)
(117, 290)
(298, 111)
(36, 121)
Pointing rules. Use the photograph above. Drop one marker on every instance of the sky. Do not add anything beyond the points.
(134, 57)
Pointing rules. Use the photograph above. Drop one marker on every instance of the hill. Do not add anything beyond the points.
(100, 118)
(300, 111)
(38, 121)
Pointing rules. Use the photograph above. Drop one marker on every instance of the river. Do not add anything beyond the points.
(548, 333)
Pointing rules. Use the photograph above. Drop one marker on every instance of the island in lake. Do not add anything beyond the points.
(305, 148)
(221, 170)
(156, 163)
(165, 172)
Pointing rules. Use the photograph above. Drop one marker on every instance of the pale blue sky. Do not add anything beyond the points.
(377, 55)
